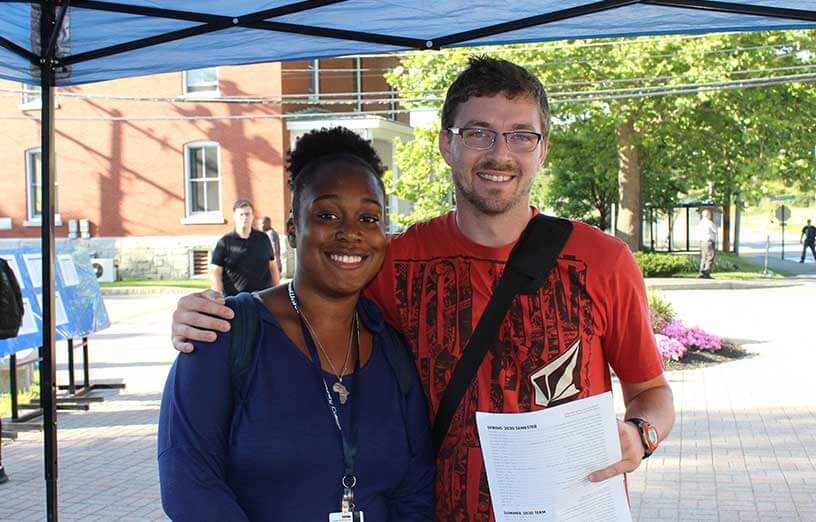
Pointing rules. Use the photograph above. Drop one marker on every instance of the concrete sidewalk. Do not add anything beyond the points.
(743, 448)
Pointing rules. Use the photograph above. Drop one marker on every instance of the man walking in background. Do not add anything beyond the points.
(708, 243)
(809, 236)
(266, 228)
(243, 260)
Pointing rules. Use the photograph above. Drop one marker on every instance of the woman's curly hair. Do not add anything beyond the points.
(319, 147)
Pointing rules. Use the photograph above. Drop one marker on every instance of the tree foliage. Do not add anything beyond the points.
(424, 177)
(702, 113)
(583, 169)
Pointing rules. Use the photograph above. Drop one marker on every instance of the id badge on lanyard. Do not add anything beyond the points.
(348, 511)
(356, 516)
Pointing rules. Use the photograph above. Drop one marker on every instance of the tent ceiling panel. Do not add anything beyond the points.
(113, 39)
(652, 20)
(219, 48)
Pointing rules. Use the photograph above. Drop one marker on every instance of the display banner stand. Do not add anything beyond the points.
(77, 396)
(86, 387)
(18, 422)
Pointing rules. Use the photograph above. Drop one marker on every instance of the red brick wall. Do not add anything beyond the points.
(127, 177)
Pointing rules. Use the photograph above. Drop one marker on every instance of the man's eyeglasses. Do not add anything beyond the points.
(478, 138)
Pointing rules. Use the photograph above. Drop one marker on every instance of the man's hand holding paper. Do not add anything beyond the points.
(631, 453)
(538, 463)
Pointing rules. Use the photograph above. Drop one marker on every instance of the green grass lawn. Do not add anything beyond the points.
(730, 266)
(183, 283)
(23, 396)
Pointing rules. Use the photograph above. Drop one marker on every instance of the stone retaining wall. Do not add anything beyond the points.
(151, 257)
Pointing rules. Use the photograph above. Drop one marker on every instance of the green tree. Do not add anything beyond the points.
(424, 178)
(684, 111)
(583, 165)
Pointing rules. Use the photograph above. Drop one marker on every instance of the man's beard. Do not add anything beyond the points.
(492, 206)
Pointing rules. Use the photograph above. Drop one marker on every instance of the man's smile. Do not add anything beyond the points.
(495, 177)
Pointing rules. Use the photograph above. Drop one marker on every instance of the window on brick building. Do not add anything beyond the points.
(31, 96)
(201, 82)
(203, 178)
(201, 262)
(34, 186)
(314, 79)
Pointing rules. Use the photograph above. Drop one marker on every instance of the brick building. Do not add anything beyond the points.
(148, 167)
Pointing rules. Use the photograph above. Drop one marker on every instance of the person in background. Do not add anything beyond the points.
(708, 231)
(266, 228)
(3, 476)
(809, 237)
(243, 260)
(11, 319)
(322, 377)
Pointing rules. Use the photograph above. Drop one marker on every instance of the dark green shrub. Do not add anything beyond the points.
(661, 265)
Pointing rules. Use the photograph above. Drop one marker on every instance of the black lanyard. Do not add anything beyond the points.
(348, 441)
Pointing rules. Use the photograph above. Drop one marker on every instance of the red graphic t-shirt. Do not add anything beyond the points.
(556, 344)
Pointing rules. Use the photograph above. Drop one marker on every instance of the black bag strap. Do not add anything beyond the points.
(527, 269)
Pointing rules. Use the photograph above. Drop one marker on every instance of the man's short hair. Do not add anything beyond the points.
(241, 203)
(487, 76)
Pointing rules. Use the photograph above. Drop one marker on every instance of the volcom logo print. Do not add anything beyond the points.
(559, 380)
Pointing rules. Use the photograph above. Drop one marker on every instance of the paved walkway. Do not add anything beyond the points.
(744, 446)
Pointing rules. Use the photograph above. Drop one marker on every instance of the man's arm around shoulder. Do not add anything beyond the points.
(199, 317)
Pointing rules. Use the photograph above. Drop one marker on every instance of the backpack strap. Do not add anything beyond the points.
(399, 358)
(244, 330)
(527, 269)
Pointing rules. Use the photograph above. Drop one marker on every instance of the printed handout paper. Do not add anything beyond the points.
(29, 325)
(34, 265)
(68, 269)
(538, 462)
(62, 317)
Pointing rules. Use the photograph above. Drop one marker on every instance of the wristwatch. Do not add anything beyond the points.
(648, 435)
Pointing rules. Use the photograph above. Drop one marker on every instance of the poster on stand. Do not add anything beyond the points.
(79, 307)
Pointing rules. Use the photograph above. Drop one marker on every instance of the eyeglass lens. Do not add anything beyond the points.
(483, 139)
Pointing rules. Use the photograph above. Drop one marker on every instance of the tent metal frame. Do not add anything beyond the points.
(52, 16)
(209, 23)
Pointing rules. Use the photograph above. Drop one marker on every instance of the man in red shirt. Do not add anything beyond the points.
(555, 345)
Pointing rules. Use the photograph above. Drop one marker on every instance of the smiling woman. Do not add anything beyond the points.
(321, 425)
(338, 201)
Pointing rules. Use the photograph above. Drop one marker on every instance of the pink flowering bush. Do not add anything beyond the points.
(694, 338)
(674, 339)
(670, 348)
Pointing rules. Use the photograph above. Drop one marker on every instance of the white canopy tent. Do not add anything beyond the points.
(69, 42)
